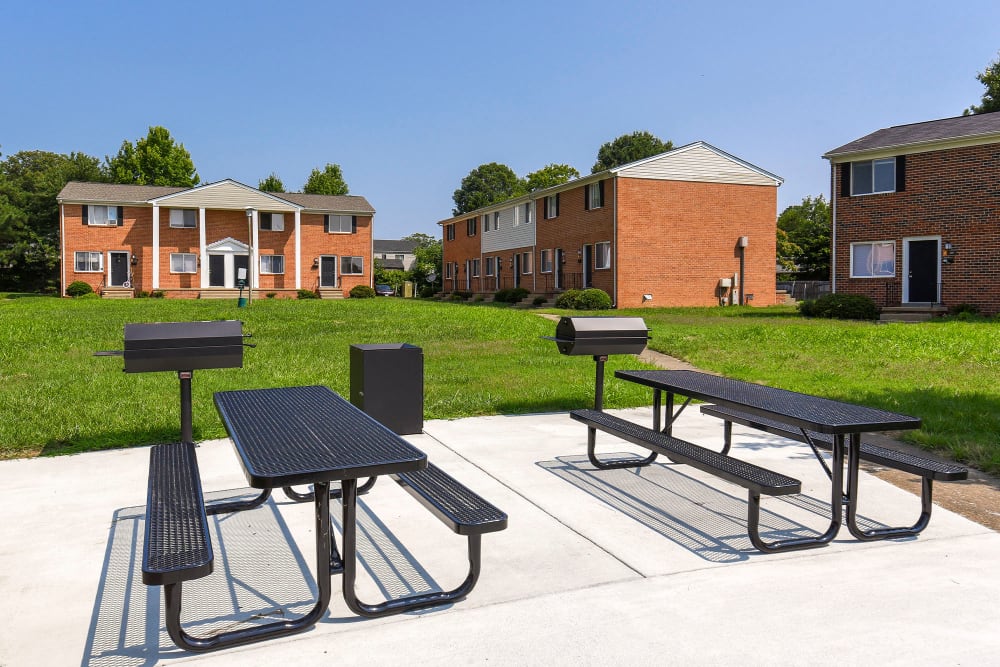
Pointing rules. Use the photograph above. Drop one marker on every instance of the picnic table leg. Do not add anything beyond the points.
(926, 502)
(172, 595)
(349, 501)
(334, 493)
(227, 507)
(836, 511)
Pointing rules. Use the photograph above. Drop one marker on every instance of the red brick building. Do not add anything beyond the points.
(916, 215)
(199, 242)
(663, 231)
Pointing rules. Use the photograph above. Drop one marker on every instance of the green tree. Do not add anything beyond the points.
(428, 255)
(989, 77)
(153, 160)
(420, 239)
(629, 148)
(330, 181)
(806, 246)
(271, 184)
(486, 184)
(549, 175)
(29, 214)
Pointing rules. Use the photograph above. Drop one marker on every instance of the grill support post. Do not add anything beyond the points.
(599, 382)
(187, 431)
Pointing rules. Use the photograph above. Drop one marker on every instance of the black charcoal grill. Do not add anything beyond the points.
(600, 337)
(183, 347)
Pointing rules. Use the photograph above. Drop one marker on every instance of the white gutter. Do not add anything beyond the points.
(833, 228)
(62, 249)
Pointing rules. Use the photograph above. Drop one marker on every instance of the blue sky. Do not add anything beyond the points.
(409, 97)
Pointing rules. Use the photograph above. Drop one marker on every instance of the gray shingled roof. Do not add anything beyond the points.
(929, 132)
(392, 246)
(77, 191)
(80, 192)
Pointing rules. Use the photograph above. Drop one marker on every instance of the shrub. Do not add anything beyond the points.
(143, 294)
(568, 299)
(157, 294)
(89, 295)
(79, 288)
(510, 295)
(539, 300)
(588, 299)
(307, 294)
(841, 307)
(964, 309)
(271, 295)
(426, 292)
(362, 292)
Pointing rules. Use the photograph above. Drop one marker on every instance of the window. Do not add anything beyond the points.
(450, 232)
(594, 196)
(470, 227)
(352, 266)
(275, 222)
(102, 216)
(529, 209)
(88, 262)
(546, 262)
(602, 255)
(873, 176)
(496, 220)
(183, 262)
(340, 224)
(525, 263)
(272, 263)
(552, 207)
(873, 260)
(475, 268)
(447, 269)
(490, 262)
(183, 218)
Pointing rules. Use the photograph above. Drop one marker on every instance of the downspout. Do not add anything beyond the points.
(62, 249)
(614, 235)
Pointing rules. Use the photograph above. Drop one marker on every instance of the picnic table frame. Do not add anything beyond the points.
(845, 421)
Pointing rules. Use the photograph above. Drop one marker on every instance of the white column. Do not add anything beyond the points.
(254, 252)
(298, 249)
(202, 251)
(156, 247)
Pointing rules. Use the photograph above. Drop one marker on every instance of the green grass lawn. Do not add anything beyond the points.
(55, 397)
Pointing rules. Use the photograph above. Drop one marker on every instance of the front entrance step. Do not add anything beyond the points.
(911, 313)
(221, 293)
(117, 293)
(331, 293)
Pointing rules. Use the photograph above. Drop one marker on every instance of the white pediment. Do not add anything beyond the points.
(228, 244)
(227, 194)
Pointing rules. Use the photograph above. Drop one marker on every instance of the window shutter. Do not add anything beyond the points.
(557, 206)
(900, 173)
(326, 224)
(121, 216)
(845, 179)
(354, 224)
(600, 191)
(85, 212)
(586, 198)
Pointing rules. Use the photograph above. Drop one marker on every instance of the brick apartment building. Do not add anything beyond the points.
(663, 231)
(916, 214)
(194, 242)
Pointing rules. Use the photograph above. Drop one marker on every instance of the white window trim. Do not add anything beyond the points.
(192, 255)
(350, 224)
(475, 268)
(91, 253)
(490, 263)
(873, 243)
(270, 270)
(351, 258)
(527, 263)
(107, 218)
(541, 260)
(182, 216)
(551, 208)
(597, 254)
(594, 194)
(874, 191)
(278, 218)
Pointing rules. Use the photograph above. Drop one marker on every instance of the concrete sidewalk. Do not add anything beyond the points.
(649, 566)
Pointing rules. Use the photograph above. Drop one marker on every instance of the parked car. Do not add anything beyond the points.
(384, 290)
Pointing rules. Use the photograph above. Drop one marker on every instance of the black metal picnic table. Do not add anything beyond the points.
(845, 421)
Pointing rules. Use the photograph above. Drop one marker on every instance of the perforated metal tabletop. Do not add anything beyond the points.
(811, 412)
(301, 435)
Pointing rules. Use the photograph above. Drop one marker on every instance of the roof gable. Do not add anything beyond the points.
(701, 162)
(225, 194)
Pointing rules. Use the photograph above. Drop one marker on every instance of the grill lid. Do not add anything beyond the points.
(601, 335)
(165, 335)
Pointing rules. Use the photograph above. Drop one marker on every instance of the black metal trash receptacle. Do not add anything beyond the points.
(387, 383)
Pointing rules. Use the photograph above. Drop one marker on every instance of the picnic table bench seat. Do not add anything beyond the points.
(757, 480)
(459, 508)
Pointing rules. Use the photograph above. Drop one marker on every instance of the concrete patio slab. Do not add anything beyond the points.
(649, 566)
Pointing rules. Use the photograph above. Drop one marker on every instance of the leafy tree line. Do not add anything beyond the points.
(426, 268)
(492, 182)
(30, 181)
